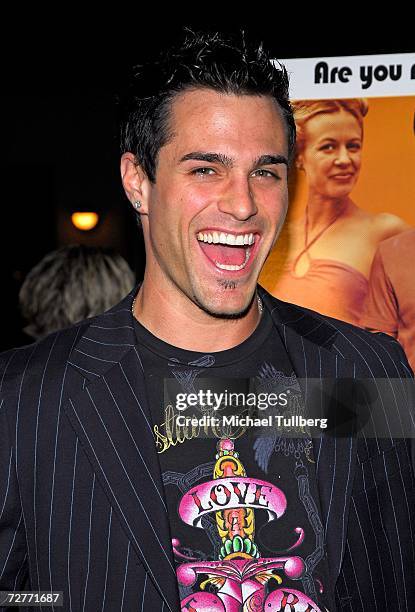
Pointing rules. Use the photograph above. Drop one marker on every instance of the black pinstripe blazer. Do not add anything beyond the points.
(82, 507)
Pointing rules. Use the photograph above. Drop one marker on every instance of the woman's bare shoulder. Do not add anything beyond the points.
(388, 224)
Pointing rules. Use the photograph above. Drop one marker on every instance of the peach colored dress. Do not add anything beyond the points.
(390, 304)
(329, 286)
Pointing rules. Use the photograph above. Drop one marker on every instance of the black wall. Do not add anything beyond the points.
(59, 133)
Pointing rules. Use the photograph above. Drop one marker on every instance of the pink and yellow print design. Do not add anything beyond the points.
(240, 580)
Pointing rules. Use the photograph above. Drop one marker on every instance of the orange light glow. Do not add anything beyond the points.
(85, 221)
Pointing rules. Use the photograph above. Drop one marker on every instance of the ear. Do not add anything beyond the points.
(135, 182)
(299, 162)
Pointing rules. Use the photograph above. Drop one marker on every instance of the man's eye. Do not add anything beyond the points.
(265, 173)
(203, 171)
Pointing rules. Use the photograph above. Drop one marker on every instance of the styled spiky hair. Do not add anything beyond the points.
(227, 64)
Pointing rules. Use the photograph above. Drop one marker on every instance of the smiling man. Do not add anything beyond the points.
(122, 484)
(211, 216)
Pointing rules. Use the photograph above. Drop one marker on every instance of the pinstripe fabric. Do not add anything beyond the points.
(368, 505)
(82, 506)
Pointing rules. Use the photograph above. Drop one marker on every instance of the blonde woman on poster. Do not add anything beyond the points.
(331, 247)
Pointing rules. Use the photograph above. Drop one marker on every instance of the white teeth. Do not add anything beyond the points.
(226, 267)
(230, 239)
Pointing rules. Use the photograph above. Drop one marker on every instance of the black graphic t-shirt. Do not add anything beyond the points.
(242, 500)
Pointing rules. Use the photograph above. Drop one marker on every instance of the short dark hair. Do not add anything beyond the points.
(71, 284)
(230, 65)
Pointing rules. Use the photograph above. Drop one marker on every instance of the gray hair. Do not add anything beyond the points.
(71, 284)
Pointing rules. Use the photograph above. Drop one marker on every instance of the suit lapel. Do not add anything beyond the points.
(112, 419)
(111, 416)
(308, 339)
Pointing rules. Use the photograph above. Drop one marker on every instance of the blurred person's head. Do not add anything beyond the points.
(206, 138)
(71, 284)
(329, 143)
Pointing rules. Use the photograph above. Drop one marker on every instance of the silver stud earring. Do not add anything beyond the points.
(137, 204)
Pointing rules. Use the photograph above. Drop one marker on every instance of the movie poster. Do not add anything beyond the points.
(347, 249)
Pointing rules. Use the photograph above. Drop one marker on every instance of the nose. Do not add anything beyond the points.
(343, 157)
(238, 200)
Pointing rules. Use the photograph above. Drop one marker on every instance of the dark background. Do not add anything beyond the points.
(59, 148)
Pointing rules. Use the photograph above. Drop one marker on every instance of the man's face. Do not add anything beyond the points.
(219, 199)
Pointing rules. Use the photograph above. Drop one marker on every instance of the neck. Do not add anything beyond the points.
(322, 210)
(175, 319)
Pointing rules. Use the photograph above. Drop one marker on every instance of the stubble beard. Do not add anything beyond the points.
(226, 284)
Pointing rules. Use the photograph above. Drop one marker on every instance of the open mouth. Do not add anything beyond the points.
(343, 177)
(230, 252)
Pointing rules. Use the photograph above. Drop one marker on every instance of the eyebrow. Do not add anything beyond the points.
(329, 138)
(269, 160)
(211, 158)
(220, 158)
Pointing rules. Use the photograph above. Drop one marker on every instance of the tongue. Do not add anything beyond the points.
(224, 254)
